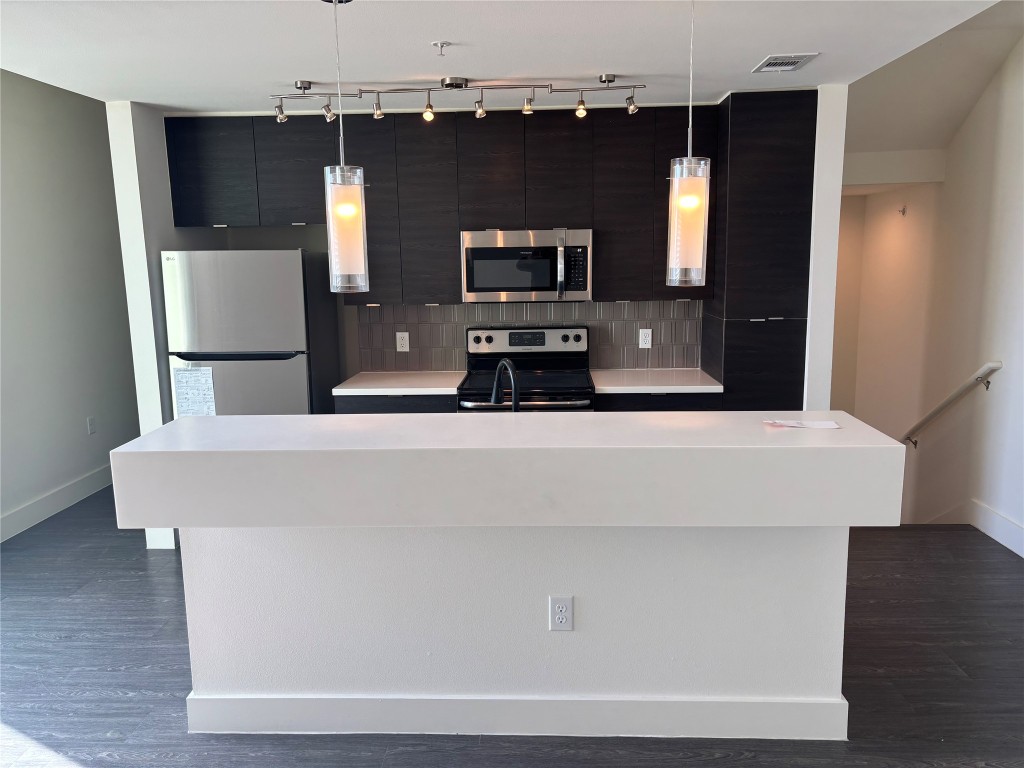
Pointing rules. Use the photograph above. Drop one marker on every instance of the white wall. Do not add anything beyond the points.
(970, 462)
(941, 293)
(65, 341)
(844, 352)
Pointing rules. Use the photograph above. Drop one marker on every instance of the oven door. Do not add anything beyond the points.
(529, 265)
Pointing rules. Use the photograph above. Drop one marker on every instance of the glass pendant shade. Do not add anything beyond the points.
(346, 229)
(690, 179)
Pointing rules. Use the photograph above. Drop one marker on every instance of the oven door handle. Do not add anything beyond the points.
(561, 267)
(523, 405)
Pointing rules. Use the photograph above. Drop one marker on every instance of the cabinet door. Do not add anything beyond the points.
(395, 404)
(771, 185)
(764, 364)
(290, 162)
(623, 204)
(428, 198)
(492, 183)
(670, 142)
(371, 144)
(659, 402)
(559, 170)
(212, 162)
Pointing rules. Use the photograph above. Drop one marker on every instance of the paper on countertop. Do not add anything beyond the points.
(193, 391)
(802, 424)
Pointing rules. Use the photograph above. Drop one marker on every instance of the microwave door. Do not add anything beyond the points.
(511, 273)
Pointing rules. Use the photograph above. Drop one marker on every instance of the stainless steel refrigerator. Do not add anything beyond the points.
(264, 324)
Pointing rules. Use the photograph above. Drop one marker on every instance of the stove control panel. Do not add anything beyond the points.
(508, 340)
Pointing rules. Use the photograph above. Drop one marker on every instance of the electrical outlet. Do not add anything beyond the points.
(90, 425)
(645, 338)
(560, 613)
(402, 341)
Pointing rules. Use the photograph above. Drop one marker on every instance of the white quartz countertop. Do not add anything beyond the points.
(649, 468)
(654, 380)
(401, 383)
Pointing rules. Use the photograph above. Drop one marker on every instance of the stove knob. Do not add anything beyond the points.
(565, 338)
(489, 339)
(476, 339)
(577, 338)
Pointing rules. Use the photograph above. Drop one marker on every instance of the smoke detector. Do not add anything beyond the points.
(784, 62)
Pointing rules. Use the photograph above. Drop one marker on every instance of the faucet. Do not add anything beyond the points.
(498, 392)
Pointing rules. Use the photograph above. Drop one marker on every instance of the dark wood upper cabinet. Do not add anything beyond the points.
(623, 204)
(559, 170)
(212, 162)
(290, 162)
(428, 197)
(670, 131)
(770, 138)
(492, 183)
(371, 144)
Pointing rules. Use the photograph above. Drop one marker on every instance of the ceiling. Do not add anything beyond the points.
(920, 100)
(228, 56)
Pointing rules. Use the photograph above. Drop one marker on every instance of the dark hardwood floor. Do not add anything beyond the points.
(95, 668)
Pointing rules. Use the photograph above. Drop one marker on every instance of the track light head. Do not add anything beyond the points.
(329, 114)
(479, 110)
(631, 106)
(428, 112)
(527, 106)
(279, 112)
(378, 113)
(581, 108)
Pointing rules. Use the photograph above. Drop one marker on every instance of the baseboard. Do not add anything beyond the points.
(50, 503)
(539, 716)
(995, 525)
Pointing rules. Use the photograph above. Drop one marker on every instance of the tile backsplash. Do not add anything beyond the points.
(437, 334)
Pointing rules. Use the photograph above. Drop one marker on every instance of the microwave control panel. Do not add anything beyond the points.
(576, 268)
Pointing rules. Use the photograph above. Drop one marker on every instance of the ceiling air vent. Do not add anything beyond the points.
(786, 62)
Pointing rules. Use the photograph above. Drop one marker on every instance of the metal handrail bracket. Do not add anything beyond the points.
(981, 376)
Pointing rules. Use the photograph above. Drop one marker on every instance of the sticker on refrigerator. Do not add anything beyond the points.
(193, 392)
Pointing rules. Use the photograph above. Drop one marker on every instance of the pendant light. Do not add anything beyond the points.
(690, 182)
(346, 219)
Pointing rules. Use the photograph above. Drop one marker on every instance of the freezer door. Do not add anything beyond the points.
(234, 301)
(254, 387)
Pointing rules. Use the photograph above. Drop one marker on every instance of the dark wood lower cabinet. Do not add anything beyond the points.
(395, 404)
(764, 364)
(658, 402)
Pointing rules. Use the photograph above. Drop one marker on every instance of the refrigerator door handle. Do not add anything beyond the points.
(201, 357)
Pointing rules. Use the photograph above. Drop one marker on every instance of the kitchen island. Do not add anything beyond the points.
(392, 573)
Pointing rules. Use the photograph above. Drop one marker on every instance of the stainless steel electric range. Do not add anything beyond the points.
(529, 369)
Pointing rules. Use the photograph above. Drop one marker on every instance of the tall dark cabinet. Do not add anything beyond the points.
(428, 198)
(755, 325)
(371, 144)
(492, 171)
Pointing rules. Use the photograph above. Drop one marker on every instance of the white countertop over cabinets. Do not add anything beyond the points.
(401, 383)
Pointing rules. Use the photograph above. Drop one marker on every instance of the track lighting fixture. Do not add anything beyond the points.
(378, 113)
(279, 112)
(631, 106)
(581, 107)
(528, 106)
(479, 106)
(329, 114)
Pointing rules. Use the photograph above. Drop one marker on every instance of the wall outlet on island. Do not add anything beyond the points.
(90, 425)
(402, 341)
(560, 613)
(645, 338)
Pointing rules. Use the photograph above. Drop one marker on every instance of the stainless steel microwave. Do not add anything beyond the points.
(526, 265)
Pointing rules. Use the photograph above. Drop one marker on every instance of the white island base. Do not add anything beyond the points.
(322, 599)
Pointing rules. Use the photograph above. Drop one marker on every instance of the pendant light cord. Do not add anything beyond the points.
(689, 124)
(337, 61)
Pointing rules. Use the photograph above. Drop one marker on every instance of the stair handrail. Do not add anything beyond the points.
(981, 376)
